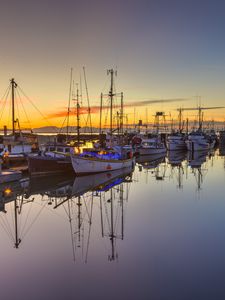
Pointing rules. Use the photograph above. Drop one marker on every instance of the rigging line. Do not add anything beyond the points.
(81, 92)
(25, 223)
(28, 120)
(88, 101)
(6, 91)
(6, 228)
(44, 117)
(89, 231)
(68, 112)
(106, 213)
(116, 218)
(17, 106)
(82, 241)
(33, 221)
(61, 127)
(5, 101)
(7, 221)
(71, 231)
(65, 209)
(9, 113)
(12, 211)
(86, 207)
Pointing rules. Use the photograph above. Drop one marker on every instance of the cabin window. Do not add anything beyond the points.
(67, 150)
(60, 149)
(52, 149)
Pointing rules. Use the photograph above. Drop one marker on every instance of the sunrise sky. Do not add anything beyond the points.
(162, 50)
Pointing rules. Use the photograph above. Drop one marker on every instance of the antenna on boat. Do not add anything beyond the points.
(78, 119)
(200, 112)
(13, 85)
(111, 72)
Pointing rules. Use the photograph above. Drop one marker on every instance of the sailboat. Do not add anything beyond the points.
(103, 160)
(16, 146)
(152, 143)
(53, 158)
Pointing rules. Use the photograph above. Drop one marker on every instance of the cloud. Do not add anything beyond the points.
(154, 101)
(96, 109)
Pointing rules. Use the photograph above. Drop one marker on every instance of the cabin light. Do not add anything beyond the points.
(7, 192)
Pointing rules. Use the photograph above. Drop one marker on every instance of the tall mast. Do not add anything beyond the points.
(68, 112)
(17, 240)
(180, 119)
(100, 125)
(89, 109)
(111, 94)
(78, 118)
(200, 117)
(14, 85)
(112, 235)
(121, 116)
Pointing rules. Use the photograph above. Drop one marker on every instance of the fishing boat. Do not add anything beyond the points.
(15, 147)
(103, 160)
(197, 141)
(52, 159)
(152, 145)
(176, 140)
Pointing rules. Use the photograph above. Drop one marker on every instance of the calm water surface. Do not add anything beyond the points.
(156, 233)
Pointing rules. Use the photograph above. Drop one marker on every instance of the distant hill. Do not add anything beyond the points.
(46, 129)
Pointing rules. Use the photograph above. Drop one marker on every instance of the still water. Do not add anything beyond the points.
(155, 233)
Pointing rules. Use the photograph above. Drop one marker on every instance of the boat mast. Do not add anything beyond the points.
(78, 119)
(200, 118)
(111, 95)
(112, 235)
(100, 125)
(68, 112)
(121, 116)
(17, 240)
(14, 85)
(89, 109)
(180, 120)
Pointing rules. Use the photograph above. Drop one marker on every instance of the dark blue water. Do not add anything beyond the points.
(156, 233)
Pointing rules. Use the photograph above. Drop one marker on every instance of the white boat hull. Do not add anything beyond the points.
(87, 165)
(87, 183)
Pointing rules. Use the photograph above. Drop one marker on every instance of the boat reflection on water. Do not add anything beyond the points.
(196, 161)
(197, 158)
(222, 150)
(77, 197)
(58, 185)
(113, 196)
(175, 158)
(93, 204)
(13, 194)
(106, 190)
(150, 161)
